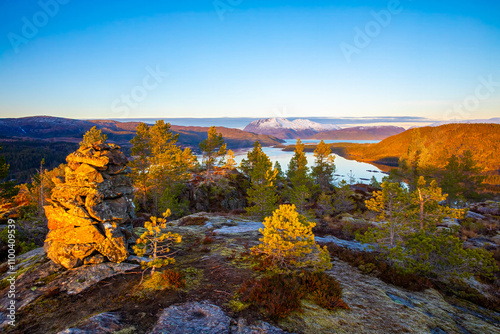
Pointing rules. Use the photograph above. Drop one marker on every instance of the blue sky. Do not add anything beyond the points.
(244, 58)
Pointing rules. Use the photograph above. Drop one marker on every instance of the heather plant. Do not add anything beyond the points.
(288, 243)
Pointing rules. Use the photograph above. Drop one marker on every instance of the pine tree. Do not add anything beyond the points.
(324, 166)
(230, 163)
(7, 188)
(141, 152)
(262, 192)
(93, 136)
(4, 167)
(414, 162)
(342, 199)
(214, 149)
(156, 243)
(425, 200)
(298, 173)
(253, 157)
(281, 175)
(392, 204)
(461, 178)
(288, 243)
(160, 165)
(410, 239)
(472, 179)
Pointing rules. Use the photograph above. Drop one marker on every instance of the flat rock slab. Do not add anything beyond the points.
(83, 277)
(259, 327)
(206, 318)
(242, 227)
(193, 318)
(352, 245)
(101, 323)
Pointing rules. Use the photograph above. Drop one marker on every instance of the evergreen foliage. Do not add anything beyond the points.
(342, 199)
(156, 243)
(288, 243)
(93, 136)
(230, 162)
(409, 237)
(324, 166)
(262, 192)
(214, 150)
(298, 174)
(160, 166)
(462, 179)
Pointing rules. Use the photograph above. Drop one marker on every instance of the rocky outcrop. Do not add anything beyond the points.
(486, 208)
(91, 208)
(223, 193)
(206, 318)
(105, 322)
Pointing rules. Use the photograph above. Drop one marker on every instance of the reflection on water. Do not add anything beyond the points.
(361, 171)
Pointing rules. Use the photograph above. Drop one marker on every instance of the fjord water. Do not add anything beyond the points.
(362, 172)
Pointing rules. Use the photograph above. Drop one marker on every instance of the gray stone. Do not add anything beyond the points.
(352, 245)
(192, 318)
(259, 327)
(84, 277)
(101, 323)
(474, 215)
(242, 227)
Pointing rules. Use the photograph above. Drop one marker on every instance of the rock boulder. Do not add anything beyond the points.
(91, 208)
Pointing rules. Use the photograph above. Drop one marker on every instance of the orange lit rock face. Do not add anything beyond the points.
(90, 208)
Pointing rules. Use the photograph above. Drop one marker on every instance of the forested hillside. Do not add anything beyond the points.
(435, 145)
(28, 140)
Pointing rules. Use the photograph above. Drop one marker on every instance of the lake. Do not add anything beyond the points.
(362, 172)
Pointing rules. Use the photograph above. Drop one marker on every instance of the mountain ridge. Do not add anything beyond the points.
(284, 129)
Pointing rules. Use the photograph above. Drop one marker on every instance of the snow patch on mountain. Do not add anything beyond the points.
(297, 125)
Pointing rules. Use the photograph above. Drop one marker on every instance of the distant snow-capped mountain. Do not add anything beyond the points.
(285, 129)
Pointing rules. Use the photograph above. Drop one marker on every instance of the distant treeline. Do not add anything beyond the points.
(24, 157)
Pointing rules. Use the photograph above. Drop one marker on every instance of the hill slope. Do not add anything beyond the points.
(360, 133)
(438, 144)
(72, 130)
(26, 141)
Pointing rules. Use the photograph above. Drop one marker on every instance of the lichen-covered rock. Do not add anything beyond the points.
(90, 208)
(100, 323)
(486, 208)
(193, 318)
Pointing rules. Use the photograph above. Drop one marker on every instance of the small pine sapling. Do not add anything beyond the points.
(156, 243)
(288, 243)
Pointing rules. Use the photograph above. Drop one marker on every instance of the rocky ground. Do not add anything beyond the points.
(108, 297)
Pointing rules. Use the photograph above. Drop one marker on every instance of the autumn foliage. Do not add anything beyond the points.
(288, 243)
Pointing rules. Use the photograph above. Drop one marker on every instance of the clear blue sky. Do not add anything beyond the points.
(249, 58)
